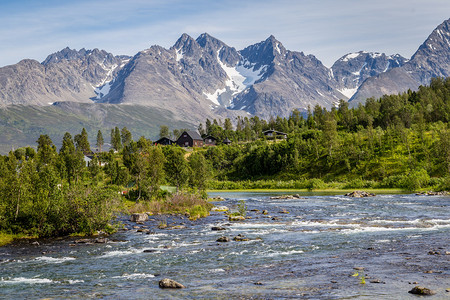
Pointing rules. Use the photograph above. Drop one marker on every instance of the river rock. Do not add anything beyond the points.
(101, 240)
(220, 208)
(236, 218)
(223, 239)
(178, 227)
(139, 217)
(359, 194)
(240, 238)
(218, 228)
(431, 193)
(265, 212)
(217, 198)
(419, 290)
(167, 283)
(83, 241)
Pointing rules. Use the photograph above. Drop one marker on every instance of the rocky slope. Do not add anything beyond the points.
(68, 75)
(205, 78)
(353, 69)
(432, 59)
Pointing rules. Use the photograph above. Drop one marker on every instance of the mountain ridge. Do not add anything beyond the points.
(205, 78)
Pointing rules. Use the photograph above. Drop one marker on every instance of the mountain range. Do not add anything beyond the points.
(204, 78)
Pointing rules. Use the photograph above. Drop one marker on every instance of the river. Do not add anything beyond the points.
(316, 247)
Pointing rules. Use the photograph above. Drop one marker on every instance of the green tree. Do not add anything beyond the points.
(116, 142)
(199, 171)
(100, 141)
(46, 150)
(155, 171)
(176, 167)
(163, 131)
(82, 142)
(126, 136)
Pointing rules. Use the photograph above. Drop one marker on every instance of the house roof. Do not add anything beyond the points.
(226, 141)
(164, 138)
(277, 132)
(210, 137)
(194, 135)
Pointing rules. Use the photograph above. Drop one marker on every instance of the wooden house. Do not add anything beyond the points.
(273, 134)
(210, 141)
(226, 141)
(190, 139)
(165, 141)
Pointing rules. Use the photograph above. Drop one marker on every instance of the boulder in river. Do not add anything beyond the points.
(359, 194)
(218, 228)
(139, 217)
(220, 208)
(236, 218)
(223, 239)
(167, 283)
(419, 290)
(240, 238)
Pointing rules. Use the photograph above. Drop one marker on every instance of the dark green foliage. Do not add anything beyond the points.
(36, 199)
(396, 141)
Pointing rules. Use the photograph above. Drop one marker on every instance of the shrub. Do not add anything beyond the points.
(315, 184)
(415, 180)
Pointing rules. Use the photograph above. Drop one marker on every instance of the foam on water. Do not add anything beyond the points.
(135, 276)
(120, 253)
(23, 280)
(54, 260)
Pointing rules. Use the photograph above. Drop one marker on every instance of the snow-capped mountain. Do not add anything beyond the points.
(205, 78)
(67, 75)
(353, 69)
(432, 59)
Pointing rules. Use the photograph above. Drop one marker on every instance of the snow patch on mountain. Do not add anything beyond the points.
(350, 56)
(179, 54)
(104, 87)
(348, 92)
(239, 78)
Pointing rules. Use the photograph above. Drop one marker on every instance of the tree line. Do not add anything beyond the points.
(395, 141)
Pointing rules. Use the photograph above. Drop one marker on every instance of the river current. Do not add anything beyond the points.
(316, 247)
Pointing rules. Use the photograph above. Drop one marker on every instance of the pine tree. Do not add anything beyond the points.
(100, 141)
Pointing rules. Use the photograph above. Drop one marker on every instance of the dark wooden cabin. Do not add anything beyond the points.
(210, 140)
(226, 141)
(190, 139)
(164, 141)
(273, 134)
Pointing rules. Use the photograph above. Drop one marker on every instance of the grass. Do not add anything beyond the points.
(181, 203)
(8, 238)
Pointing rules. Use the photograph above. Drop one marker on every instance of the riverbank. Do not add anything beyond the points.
(329, 191)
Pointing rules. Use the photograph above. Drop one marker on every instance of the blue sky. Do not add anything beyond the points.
(327, 29)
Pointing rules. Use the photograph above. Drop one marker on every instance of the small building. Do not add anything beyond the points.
(210, 140)
(226, 141)
(165, 141)
(273, 134)
(190, 139)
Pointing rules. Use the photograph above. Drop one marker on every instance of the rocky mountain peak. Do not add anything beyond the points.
(437, 42)
(265, 52)
(187, 45)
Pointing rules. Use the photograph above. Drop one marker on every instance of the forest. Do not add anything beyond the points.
(397, 141)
